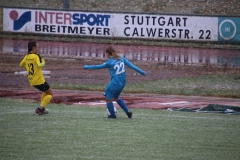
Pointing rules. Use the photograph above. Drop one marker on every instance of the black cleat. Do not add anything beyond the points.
(129, 114)
(41, 111)
(109, 116)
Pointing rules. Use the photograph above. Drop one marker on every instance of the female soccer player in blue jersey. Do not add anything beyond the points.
(33, 63)
(116, 66)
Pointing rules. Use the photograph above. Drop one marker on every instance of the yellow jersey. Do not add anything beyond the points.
(33, 64)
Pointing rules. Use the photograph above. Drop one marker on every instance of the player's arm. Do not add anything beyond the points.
(23, 63)
(100, 66)
(132, 66)
(40, 62)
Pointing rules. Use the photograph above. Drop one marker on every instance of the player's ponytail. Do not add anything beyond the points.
(32, 44)
(113, 52)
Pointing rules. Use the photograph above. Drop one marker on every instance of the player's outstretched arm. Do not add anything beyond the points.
(100, 66)
(132, 66)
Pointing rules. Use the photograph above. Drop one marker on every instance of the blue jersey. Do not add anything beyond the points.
(116, 69)
(117, 72)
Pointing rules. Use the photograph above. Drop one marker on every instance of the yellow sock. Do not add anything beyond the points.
(43, 95)
(46, 100)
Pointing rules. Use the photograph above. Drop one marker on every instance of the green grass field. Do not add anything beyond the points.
(74, 132)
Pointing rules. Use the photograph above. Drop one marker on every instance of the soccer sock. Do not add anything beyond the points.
(43, 95)
(46, 100)
(110, 108)
(121, 103)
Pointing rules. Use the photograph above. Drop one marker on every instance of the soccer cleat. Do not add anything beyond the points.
(109, 116)
(41, 111)
(37, 110)
(129, 114)
(45, 111)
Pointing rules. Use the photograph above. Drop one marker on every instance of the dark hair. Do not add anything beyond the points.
(113, 52)
(31, 44)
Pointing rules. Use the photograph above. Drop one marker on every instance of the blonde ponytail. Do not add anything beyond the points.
(113, 52)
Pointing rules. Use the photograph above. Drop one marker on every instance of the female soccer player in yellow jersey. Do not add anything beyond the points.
(33, 63)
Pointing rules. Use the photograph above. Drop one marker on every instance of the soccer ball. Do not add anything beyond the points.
(115, 110)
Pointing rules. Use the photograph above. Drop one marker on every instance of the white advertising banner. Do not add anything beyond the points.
(145, 26)
(164, 27)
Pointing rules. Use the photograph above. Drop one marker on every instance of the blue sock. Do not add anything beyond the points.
(110, 108)
(121, 103)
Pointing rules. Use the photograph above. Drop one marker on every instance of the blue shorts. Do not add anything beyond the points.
(113, 91)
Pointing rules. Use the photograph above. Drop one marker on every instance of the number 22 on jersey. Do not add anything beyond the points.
(120, 68)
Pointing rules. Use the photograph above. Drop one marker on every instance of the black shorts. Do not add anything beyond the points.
(42, 87)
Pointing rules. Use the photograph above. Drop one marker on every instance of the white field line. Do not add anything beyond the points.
(93, 103)
(172, 103)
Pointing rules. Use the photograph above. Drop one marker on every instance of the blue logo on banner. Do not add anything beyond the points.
(229, 29)
(18, 23)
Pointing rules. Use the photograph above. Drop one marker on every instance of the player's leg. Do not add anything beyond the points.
(110, 108)
(38, 110)
(45, 97)
(121, 103)
(109, 92)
